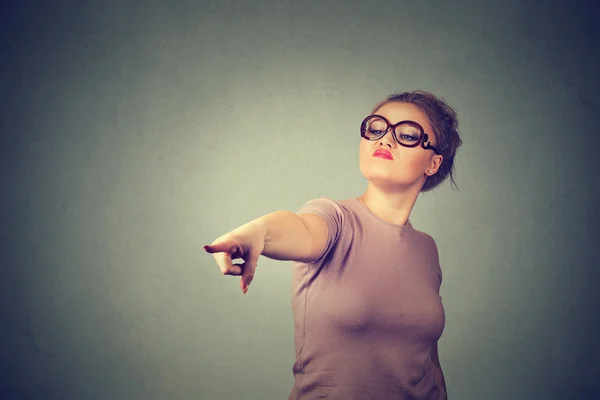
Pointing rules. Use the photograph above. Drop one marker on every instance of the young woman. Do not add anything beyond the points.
(366, 303)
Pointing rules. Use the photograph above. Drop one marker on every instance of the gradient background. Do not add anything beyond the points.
(133, 133)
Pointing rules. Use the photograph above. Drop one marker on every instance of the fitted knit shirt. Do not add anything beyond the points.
(367, 311)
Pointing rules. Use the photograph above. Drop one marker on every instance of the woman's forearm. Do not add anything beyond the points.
(286, 236)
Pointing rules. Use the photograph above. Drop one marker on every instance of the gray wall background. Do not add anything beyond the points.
(133, 133)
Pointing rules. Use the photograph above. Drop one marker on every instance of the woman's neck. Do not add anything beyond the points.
(394, 208)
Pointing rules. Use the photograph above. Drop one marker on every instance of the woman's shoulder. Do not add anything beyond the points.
(424, 237)
(340, 205)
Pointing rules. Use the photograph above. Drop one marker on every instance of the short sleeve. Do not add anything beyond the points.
(332, 214)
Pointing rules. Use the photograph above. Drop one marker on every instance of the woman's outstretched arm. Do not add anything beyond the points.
(280, 235)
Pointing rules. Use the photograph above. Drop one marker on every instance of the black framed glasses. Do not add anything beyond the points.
(406, 133)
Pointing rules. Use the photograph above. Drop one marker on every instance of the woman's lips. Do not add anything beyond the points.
(383, 154)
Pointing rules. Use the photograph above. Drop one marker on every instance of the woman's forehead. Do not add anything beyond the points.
(395, 112)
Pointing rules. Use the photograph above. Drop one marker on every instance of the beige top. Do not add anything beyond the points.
(367, 311)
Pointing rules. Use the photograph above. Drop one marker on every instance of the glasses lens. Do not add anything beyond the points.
(375, 127)
(407, 134)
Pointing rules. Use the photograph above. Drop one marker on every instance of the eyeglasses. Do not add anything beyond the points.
(407, 133)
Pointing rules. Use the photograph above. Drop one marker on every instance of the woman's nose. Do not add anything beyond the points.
(388, 138)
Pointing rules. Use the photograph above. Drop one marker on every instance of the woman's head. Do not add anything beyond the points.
(413, 165)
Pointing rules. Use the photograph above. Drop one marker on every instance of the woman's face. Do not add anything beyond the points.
(410, 165)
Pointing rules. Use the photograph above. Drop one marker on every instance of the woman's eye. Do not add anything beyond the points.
(408, 138)
(375, 132)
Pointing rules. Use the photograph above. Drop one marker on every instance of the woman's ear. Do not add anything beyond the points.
(436, 162)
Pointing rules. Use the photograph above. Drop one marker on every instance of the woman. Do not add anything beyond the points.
(366, 303)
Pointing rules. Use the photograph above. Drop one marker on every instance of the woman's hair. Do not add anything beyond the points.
(444, 123)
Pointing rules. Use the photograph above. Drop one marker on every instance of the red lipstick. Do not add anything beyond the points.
(381, 153)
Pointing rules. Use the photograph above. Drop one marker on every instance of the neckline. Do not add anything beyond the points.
(399, 227)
